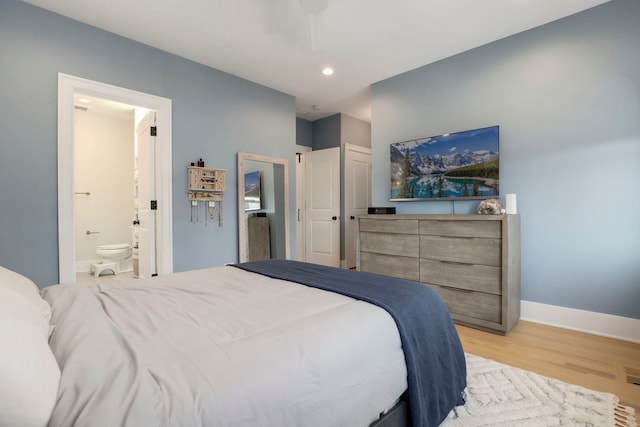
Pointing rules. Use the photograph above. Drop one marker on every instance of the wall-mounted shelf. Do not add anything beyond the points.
(205, 182)
(206, 185)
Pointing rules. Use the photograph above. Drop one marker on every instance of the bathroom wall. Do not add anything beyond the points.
(103, 167)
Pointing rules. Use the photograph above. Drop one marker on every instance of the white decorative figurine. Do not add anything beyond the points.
(490, 207)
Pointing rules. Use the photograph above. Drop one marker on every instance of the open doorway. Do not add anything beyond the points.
(69, 89)
(114, 183)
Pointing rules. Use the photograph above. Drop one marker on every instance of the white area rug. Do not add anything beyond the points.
(501, 395)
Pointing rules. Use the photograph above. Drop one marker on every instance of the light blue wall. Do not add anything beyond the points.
(215, 115)
(567, 99)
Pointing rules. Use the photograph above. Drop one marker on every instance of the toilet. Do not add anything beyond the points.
(113, 258)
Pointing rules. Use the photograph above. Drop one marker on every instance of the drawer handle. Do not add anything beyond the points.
(454, 262)
(448, 236)
(468, 291)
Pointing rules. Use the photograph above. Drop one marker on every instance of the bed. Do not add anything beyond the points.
(274, 343)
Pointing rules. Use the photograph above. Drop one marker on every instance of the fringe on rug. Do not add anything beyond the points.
(624, 416)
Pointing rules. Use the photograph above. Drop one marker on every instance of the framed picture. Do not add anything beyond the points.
(252, 191)
(453, 166)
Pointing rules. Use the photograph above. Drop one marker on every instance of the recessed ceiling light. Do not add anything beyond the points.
(327, 71)
(84, 100)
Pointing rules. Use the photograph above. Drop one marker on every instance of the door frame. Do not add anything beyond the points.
(68, 87)
(300, 202)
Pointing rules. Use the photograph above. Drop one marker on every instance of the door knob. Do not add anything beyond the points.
(334, 218)
(353, 217)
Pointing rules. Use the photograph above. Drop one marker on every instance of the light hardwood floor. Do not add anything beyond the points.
(590, 361)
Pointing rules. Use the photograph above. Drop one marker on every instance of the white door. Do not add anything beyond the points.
(146, 192)
(357, 195)
(322, 197)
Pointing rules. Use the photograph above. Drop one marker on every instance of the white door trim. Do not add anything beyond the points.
(68, 86)
(300, 202)
(357, 148)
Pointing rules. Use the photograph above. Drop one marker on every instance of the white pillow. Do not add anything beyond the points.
(27, 289)
(29, 373)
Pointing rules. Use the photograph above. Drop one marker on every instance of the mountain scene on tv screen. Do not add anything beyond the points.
(252, 191)
(457, 165)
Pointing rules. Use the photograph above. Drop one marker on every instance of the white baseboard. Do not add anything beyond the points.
(622, 328)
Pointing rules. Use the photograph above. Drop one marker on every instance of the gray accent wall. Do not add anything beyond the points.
(355, 131)
(337, 130)
(215, 115)
(304, 132)
(326, 132)
(567, 99)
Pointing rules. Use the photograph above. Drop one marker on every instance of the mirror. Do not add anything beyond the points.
(263, 208)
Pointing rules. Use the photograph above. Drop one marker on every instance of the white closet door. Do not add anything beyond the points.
(357, 195)
(322, 182)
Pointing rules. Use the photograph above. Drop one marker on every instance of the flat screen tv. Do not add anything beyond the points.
(252, 191)
(453, 166)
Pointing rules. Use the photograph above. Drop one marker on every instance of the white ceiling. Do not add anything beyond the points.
(269, 41)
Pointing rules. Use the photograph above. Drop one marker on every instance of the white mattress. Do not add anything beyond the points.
(221, 347)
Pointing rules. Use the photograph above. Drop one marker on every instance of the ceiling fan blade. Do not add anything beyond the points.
(278, 17)
(270, 22)
(316, 10)
(314, 6)
(317, 32)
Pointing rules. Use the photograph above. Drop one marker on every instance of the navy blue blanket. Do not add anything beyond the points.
(436, 368)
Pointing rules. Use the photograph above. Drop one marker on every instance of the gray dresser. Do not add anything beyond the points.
(472, 261)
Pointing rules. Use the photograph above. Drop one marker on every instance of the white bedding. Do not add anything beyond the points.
(221, 347)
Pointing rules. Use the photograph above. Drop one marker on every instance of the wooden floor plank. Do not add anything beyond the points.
(591, 361)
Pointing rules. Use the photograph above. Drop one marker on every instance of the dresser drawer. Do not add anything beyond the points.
(474, 277)
(461, 249)
(392, 244)
(389, 265)
(395, 226)
(485, 229)
(477, 305)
